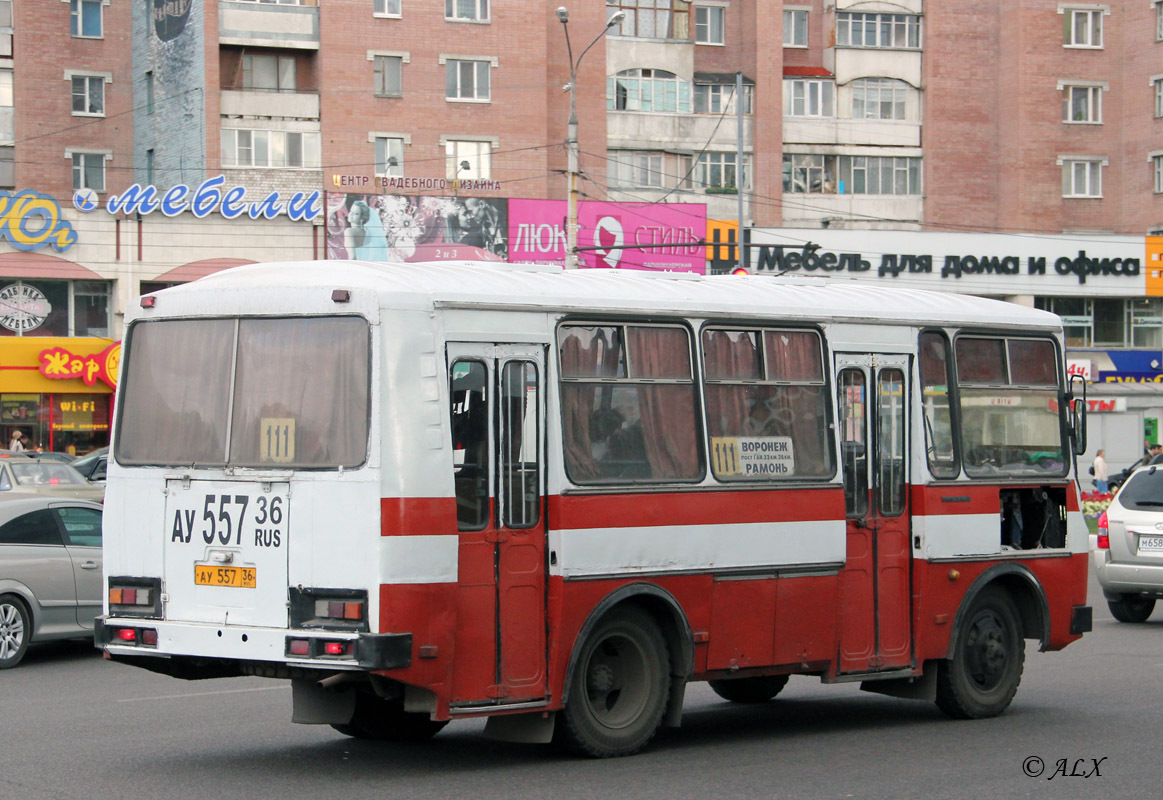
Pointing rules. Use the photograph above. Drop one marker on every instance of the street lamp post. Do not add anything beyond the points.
(571, 261)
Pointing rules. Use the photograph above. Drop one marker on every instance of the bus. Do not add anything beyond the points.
(436, 491)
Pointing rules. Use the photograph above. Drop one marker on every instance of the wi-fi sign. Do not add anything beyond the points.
(85, 200)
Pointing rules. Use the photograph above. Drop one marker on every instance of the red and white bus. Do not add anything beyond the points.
(427, 492)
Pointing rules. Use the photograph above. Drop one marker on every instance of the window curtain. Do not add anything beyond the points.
(667, 411)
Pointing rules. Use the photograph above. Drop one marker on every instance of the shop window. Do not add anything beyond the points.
(54, 308)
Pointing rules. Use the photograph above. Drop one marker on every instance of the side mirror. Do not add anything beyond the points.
(1076, 398)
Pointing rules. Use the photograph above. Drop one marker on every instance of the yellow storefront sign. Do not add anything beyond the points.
(20, 364)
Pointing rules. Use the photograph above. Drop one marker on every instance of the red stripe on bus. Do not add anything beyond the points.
(575, 512)
(412, 516)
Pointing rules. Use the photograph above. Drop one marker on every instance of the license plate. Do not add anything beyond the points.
(239, 577)
(1150, 543)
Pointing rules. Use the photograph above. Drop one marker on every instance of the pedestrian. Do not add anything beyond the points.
(1099, 470)
(16, 445)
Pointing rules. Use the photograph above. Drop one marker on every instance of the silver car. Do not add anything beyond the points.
(50, 571)
(1128, 549)
(20, 473)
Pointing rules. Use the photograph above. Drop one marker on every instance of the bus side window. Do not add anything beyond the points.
(853, 420)
(470, 444)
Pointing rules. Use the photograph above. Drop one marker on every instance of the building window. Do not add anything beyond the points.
(804, 173)
(389, 75)
(716, 172)
(5, 88)
(472, 10)
(61, 308)
(879, 98)
(468, 159)
(1081, 177)
(1135, 322)
(880, 175)
(1158, 84)
(878, 30)
(809, 98)
(85, 18)
(386, 8)
(5, 13)
(816, 174)
(466, 80)
(149, 168)
(630, 169)
(1157, 165)
(1082, 27)
(1082, 104)
(149, 96)
(284, 149)
(268, 73)
(709, 25)
(652, 19)
(795, 28)
(719, 98)
(88, 171)
(88, 95)
(648, 90)
(7, 167)
(390, 156)
(1158, 21)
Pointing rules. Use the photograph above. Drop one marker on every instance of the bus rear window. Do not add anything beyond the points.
(286, 392)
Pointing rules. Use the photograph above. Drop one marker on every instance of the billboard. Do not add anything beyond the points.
(642, 236)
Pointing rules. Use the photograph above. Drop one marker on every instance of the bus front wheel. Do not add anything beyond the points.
(379, 718)
(619, 688)
(983, 675)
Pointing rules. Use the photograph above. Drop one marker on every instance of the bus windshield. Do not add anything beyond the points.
(286, 392)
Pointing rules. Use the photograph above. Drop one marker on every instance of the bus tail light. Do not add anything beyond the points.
(329, 609)
(134, 597)
(320, 648)
(1104, 539)
(143, 637)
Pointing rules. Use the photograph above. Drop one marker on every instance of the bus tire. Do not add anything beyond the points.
(759, 689)
(1131, 607)
(982, 677)
(619, 688)
(386, 720)
(15, 630)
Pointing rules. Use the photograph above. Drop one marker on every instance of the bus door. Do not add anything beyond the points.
(872, 412)
(498, 441)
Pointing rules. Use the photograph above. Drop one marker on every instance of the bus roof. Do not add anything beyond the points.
(548, 287)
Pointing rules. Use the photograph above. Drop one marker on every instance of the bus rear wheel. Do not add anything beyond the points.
(386, 720)
(749, 690)
(982, 677)
(619, 688)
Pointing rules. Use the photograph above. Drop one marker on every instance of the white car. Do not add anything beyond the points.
(1128, 550)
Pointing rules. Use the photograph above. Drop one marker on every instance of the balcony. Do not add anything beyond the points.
(287, 105)
(269, 25)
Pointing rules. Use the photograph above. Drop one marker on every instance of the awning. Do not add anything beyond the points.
(807, 72)
(42, 265)
(200, 269)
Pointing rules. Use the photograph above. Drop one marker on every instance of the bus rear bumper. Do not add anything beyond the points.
(138, 637)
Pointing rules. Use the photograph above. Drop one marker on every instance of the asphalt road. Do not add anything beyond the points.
(73, 726)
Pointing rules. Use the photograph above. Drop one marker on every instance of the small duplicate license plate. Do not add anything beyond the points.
(239, 577)
(1150, 543)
